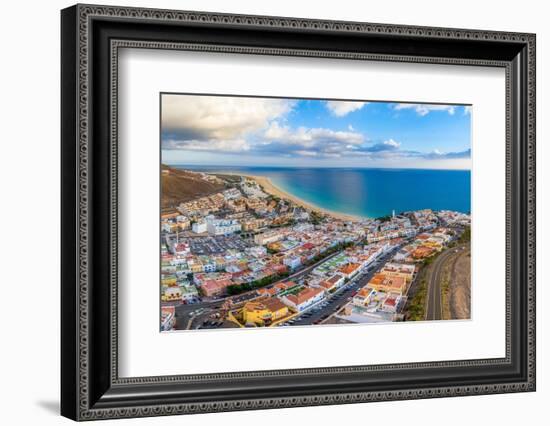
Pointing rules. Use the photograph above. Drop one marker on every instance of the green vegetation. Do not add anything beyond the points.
(262, 282)
(328, 252)
(230, 180)
(417, 306)
(295, 290)
(445, 285)
(465, 237)
(445, 289)
(315, 217)
(292, 290)
(289, 222)
(271, 251)
(429, 260)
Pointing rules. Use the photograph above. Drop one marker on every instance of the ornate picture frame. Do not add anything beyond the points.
(91, 37)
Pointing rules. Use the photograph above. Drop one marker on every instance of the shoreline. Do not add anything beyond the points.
(272, 189)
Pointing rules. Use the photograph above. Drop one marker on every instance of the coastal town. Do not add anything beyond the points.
(240, 253)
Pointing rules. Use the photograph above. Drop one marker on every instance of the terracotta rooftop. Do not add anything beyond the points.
(390, 301)
(365, 291)
(304, 295)
(377, 279)
(422, 251)
(349, 268)
(334, 279)
(273, 304)
(216, 284)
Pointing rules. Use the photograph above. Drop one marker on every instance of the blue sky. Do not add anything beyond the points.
(239, 131)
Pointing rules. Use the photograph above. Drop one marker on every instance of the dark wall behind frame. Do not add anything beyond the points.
(89, 389)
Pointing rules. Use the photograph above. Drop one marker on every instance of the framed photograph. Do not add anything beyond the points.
(265, 212)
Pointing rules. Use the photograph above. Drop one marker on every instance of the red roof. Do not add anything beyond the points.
(349, 268)
(212, 285)
(327, 285)
(390, 301)
(334, 279)
(305, 295)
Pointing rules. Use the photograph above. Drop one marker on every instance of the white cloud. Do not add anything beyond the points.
(216, 118)
(385, 146)
(438, 154)
(257, 127)
(311, 137)
(306, 153)
(227, 145)
(392, 143)
(276, 131)
(467, 110)
(425, 109)
(342, 108)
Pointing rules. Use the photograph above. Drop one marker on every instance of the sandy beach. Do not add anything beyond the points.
(272, 189)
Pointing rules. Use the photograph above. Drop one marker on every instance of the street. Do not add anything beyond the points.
(185, 319)
(329, 306)
(434, 308)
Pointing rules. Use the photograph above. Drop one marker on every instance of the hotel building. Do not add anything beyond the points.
(221, 226)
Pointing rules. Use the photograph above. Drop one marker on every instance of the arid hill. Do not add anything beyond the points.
(178, 186)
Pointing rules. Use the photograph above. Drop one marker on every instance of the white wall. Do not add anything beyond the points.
(29, 172)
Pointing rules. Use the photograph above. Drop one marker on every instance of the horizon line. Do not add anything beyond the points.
(314, 167)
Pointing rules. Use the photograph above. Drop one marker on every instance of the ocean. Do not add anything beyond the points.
(366, 192)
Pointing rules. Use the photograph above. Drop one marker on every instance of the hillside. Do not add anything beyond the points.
(178, 186)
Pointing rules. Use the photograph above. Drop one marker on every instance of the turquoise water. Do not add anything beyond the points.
(367, 192)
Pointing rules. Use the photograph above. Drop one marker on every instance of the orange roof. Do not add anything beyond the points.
(304, 295)
(284, 285)
(269, 291)
(169, 215)
(274, 304)
(334, 279)
(422, 251)
(326, 285)
(399, 268)
(396, 282)
(349, 268)
(254, 306)
(390, 301)
(390, 282)
(216, 284)
(365, 291)
(377, 279)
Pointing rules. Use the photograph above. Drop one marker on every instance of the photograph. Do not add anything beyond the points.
(279, 212)
(290, 180)
(232, 179)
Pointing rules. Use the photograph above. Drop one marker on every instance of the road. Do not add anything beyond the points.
(185, 321)
(187, 318)
(340, 298)
(434, 308)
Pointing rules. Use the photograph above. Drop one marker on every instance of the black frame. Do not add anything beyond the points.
(91, 37)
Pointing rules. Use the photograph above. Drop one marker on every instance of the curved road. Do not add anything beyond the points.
(434, 309)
